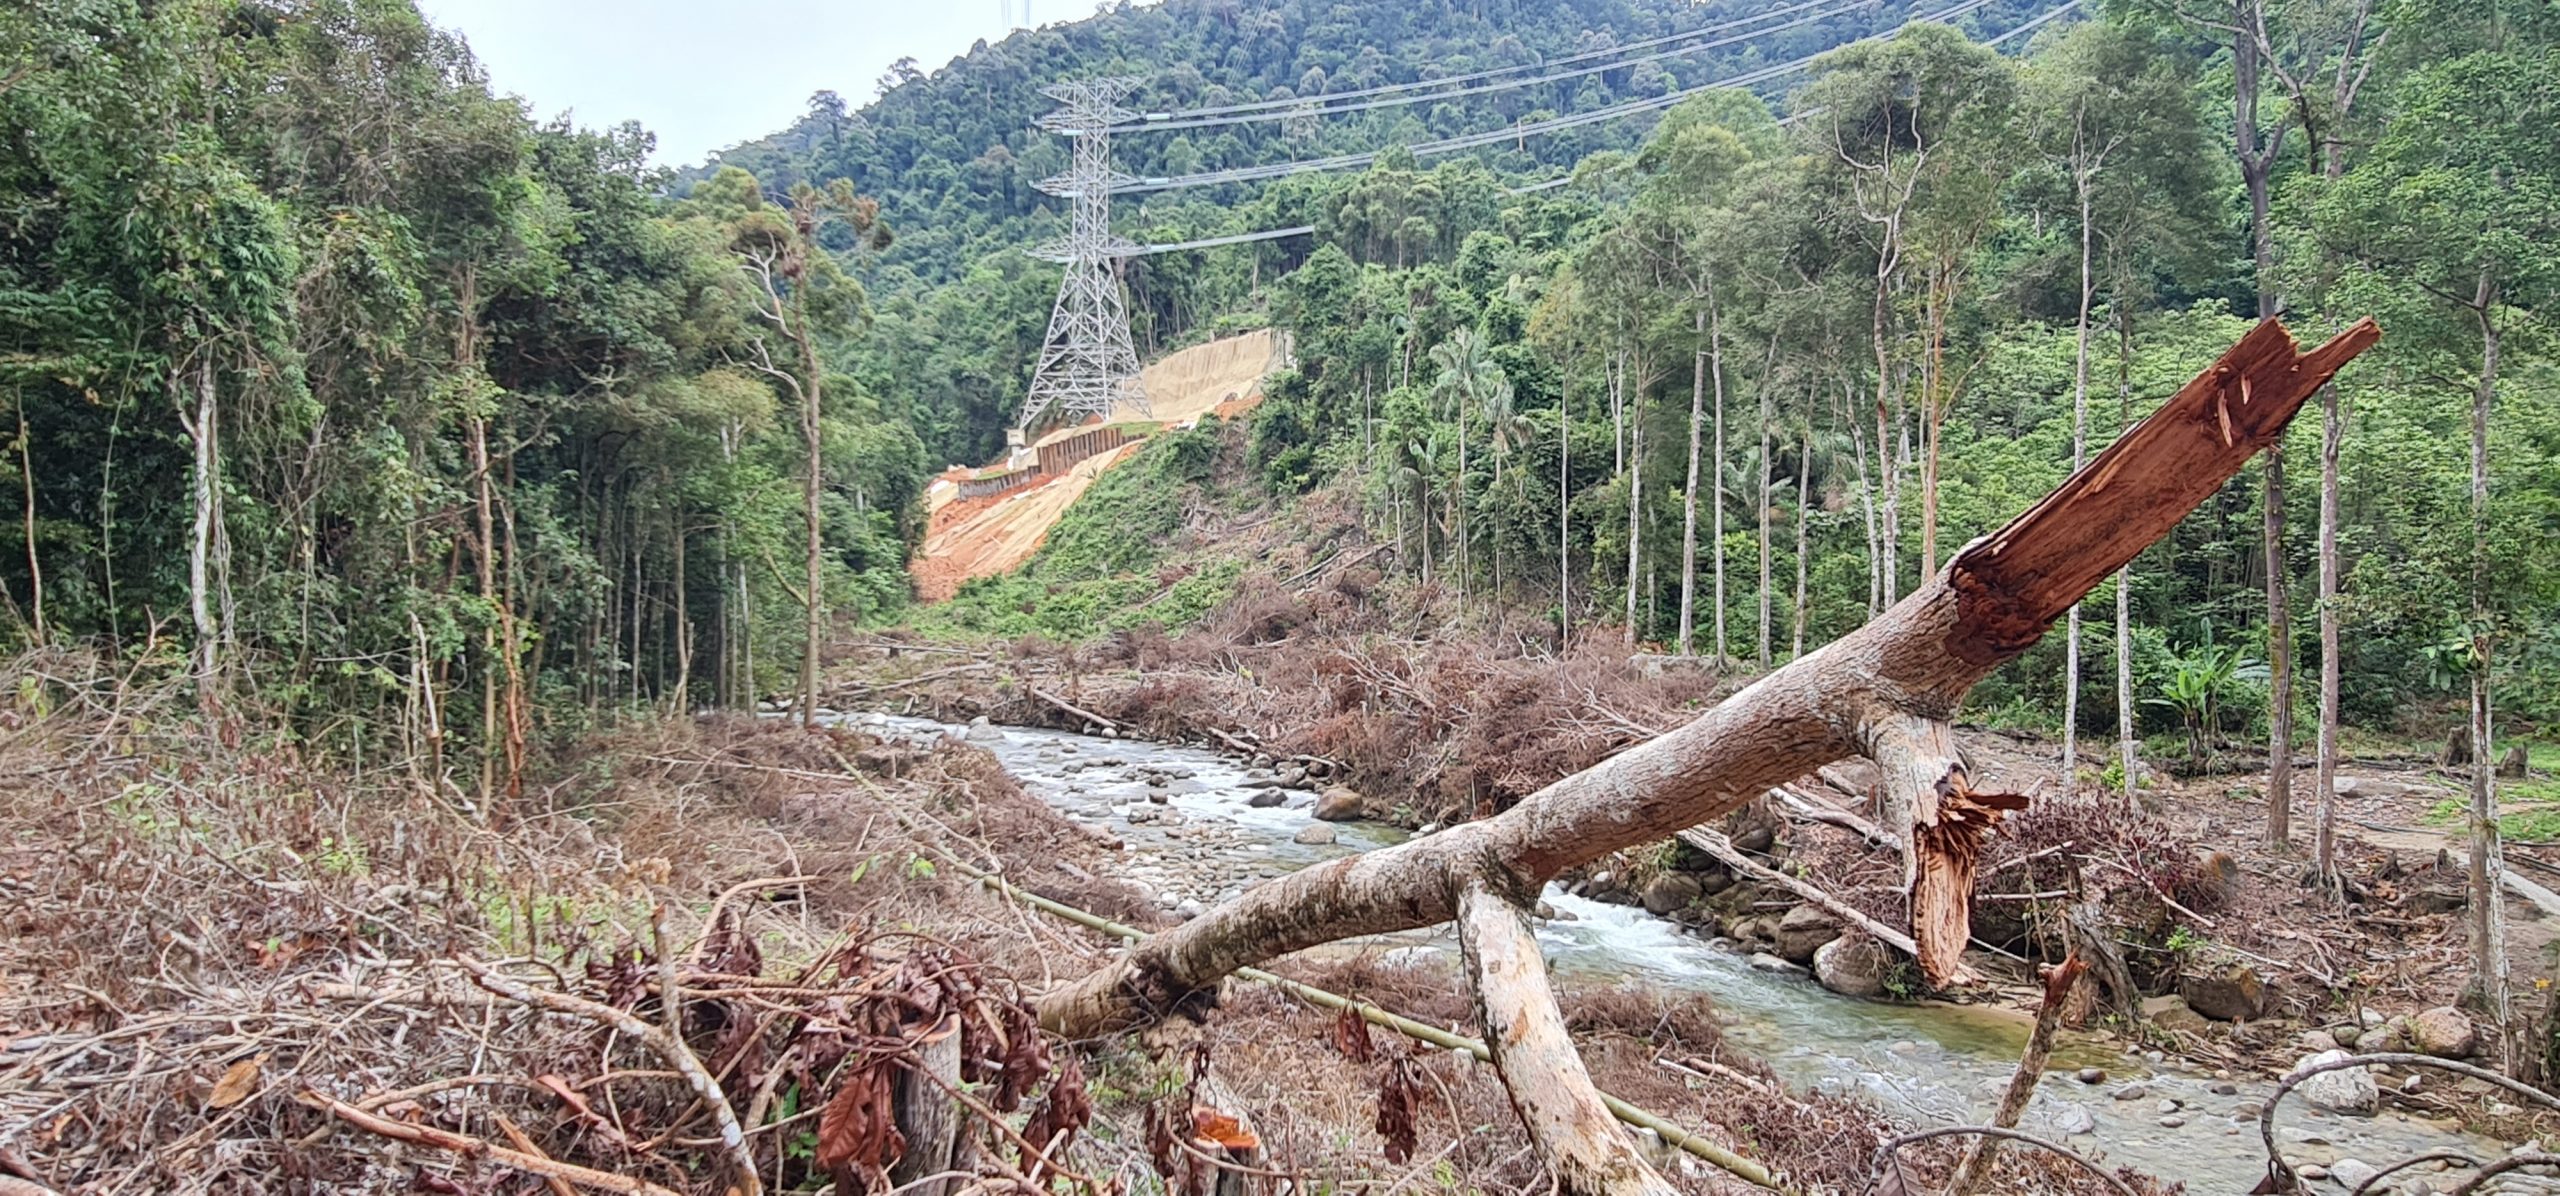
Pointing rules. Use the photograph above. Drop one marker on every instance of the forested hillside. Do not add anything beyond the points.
(418, 519)
(955, 155)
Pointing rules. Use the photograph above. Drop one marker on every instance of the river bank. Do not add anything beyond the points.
(1191, 831)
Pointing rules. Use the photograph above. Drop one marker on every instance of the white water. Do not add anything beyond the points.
(1927, 1064)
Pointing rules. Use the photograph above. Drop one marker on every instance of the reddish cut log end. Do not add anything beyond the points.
(2012, 584)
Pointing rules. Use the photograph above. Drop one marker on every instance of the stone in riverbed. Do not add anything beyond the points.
(1851, 965)
(2345, 1090)
(1264, 799)
(2072, 1120)
(1670, 892)
(2352, 1174)
(1342, 803)
(2093, 1075)
(1802, 932)
(1318, 835)
(2226, 991)
(1763, 962)
(2444, 1032)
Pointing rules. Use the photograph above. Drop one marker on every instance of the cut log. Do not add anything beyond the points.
(1886, 689)
(927, 1115)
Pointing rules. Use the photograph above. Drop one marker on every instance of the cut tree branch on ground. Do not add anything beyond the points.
(1984, 1150)
(1886, 690)
(1065, 707)
(469, 1147)
(1715, 844)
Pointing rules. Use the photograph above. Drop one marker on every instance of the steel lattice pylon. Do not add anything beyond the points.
(1087, 365)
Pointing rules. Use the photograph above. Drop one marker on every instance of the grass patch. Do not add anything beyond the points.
(2528, 811)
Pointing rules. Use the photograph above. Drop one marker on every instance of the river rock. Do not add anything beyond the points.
(2444, 1032)
(1320, 834)
(2346, 1090)
(2093, 1075)
(1712, 883)
(2227, 990)
(1670, 892)
(1342, 803)
(1293, 776)
(1758, 838)
(985, 733)
(1851, 965)
(1802, 932)
(1264, 799)
(2316, 1041)
(2352, 1174)
(2070, 1120)
(1160, 796)
(1762, 961)
(2392, 1035)
(2133, 1092)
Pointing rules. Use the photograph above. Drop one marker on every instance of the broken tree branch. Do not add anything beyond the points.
(1982, 1151)
(1886, 689)
(424, 1135)
(1715, 844)
(1550, 1089)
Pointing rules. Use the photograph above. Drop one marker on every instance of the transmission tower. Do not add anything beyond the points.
(1087, 366)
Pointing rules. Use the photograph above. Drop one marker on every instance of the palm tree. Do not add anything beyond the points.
(1469, 378)
(1512, 431)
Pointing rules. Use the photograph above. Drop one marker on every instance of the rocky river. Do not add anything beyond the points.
(1198, 827)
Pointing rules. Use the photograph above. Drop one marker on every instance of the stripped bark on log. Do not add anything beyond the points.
(1887, 690)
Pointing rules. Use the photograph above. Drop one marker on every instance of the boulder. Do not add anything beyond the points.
(2354, 1174)
(2444, 1033)
(1342, 803)
(1319, 835)
(2346, 1090)
(1758, 838)
(985, 734)
(1852, 965)
(2071, 1120)
(2316, 1041)
(2390, 1036)
(1292, 776)
(1802, 932)
(1764, 962)
(1670, 892)
(1264, 799)
(2226, 991)
(1712, 883)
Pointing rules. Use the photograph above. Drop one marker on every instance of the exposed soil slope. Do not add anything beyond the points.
(983, 537)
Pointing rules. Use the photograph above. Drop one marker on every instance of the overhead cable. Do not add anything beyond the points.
(1314, 107)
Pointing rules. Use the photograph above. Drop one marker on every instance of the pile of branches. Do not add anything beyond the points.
(641, 1073)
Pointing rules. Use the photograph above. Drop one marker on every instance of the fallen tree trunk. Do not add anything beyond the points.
(1886, 690)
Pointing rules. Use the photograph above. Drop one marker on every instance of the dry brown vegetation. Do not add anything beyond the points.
(231, 968)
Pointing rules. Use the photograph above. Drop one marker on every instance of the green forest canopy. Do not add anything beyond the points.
(493, 403)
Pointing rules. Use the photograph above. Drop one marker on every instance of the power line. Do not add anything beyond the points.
(1211, 242)
(1314, 107)
(1467, 141)
(1385, 88)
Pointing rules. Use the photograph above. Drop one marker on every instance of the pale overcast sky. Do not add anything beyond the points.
(705, 75)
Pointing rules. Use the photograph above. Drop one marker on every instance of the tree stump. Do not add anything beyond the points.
(2515, 765)
(928, 1115)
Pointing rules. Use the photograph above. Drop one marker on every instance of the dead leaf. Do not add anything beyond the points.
(1227, 1132)
(238, 1083)
(1351, 1037)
